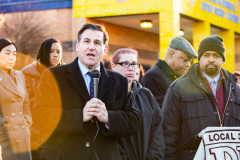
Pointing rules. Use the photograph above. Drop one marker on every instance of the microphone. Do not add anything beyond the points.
(95, 75)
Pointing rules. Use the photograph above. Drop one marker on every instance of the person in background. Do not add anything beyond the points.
(139, 73)
(79, 125)
(49, 55)
(237, 74)
(15, 110)
(177, 60)
(207, 95)
(148, 142)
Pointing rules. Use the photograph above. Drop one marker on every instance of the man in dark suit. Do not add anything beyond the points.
(78, 127)
(177, 60)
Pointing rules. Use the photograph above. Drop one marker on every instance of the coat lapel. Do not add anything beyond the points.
(104, 82)
(8, 83)
(76, 78)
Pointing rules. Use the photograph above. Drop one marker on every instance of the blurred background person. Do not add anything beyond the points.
(177, 60)
(49, 55)
(139, 73)
(148, 142)
(15, 105)
(237, 74)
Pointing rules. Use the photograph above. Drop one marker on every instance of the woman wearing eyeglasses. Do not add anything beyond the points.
(148, 142)
(15, 114)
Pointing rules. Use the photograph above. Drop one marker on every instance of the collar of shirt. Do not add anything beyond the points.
(84, 71)
(207, 82)
(216, 79)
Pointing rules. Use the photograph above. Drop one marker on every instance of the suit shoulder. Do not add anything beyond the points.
(59, 68)
(155, 70)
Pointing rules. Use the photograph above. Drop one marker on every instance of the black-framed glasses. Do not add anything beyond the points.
(127, 64)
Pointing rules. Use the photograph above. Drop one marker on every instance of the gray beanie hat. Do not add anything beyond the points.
(212, 43)
(180, 43)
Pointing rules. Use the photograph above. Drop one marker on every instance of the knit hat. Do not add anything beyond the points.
(212, 43)
(180, 43)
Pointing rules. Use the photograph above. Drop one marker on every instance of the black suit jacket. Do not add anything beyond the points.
(59, 113)
(158, 79)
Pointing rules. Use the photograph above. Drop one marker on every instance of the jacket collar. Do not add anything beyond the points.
(166, 69)
(195, 75)
(136, 87)
(8, 81)
(76, 78)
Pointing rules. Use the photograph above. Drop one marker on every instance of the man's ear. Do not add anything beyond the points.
(105, 50)
(77, 45)
(171, 53)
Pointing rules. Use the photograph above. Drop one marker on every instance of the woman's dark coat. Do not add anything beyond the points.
(148, 142)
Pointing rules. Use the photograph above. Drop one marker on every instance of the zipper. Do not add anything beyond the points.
(219, 117)
(227, 102)
(221, 120)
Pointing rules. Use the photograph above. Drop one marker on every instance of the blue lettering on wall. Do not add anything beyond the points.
(233, 17)
(207, 7)
(219, 12)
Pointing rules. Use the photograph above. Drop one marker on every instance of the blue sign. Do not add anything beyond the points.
(7, 6)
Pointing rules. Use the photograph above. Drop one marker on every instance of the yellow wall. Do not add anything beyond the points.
(99, 8)
(203, 13)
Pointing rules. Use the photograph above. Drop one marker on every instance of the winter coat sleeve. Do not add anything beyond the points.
(156, 143)
(125, 121)
(171, 123)
(47, 108)
(31, 89)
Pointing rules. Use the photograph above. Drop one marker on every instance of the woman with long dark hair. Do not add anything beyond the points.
(15, 112)
(49, 55)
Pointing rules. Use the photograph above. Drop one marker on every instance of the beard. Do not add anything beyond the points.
(211, 71)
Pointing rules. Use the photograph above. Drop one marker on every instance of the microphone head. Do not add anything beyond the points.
(95, 73)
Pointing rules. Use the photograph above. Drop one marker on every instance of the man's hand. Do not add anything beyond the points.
(95, 108)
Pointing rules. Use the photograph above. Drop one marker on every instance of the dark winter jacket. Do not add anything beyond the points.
(189, 107)
(158, 79)
(147, 143)
(58, 112)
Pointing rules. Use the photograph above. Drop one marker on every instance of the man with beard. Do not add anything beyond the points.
(176, 61)
(207, 96)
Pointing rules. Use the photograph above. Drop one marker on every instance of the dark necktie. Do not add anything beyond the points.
(91, 85)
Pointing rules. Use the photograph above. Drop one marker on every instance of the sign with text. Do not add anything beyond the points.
(221, 8)
(219, 143)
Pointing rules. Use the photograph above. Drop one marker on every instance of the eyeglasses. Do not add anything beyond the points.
(127, 64)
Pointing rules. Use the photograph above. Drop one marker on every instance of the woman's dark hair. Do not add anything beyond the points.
(45, 50)
(5, 42)
(142, 72)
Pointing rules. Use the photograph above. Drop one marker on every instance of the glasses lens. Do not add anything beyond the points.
(135, 65)
(125, 64)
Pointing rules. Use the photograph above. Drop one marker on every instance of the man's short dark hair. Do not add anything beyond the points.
(94, 27)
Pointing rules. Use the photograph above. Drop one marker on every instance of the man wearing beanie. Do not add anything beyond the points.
(206, 96)
(177, 60)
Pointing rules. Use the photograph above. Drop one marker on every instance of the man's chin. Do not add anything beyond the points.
(211, 72)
